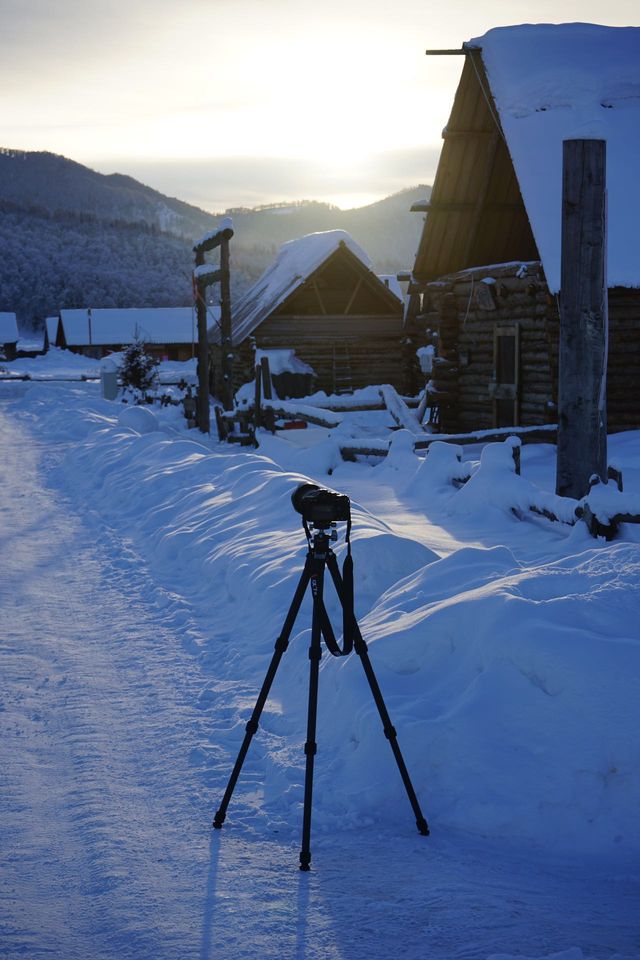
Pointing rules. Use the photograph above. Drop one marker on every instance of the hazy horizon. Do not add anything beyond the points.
(242, 103)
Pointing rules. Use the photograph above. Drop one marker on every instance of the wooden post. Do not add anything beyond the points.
(582, 417)
(225, 326)
(267, 392)
(204, 414)
(203, 279)
(257, 403)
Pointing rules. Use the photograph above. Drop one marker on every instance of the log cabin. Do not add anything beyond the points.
(321, 299)
(486, 281)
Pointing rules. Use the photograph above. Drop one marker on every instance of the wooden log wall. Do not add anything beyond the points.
(623, 377)
(466, 311)
(370, 345)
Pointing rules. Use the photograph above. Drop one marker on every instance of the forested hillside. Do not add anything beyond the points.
(71, 237)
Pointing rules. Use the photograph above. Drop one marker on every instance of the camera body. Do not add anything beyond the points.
(319, 506)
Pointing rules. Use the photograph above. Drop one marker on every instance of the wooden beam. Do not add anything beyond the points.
(463, 206)
(213, 240)
(582, 417)
(354, 294)
(461, 52)
(320, 301)
(208, 278)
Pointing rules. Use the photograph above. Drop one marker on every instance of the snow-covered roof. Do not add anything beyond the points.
(295, 263)
(52, 329)
(392, 283)
(8, 328)
(556, 82)
(104, 326)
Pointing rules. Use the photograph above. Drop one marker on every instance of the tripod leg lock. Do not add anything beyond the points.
(281, 644)
(311, 748)
(315, 653)
(390, 732)
(252, 726)
(360, 645)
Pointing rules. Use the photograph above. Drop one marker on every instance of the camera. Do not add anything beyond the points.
(320, 506)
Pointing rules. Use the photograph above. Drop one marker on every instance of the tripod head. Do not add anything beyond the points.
(321, 509)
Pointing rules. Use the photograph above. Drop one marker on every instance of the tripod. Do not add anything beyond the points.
(319, 556)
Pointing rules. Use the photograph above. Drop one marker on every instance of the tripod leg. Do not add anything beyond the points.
(310, 747)
(360, 648)
(252, 726)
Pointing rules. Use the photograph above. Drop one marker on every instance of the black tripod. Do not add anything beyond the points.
(320, 555)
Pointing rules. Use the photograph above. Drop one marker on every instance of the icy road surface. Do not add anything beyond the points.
(106, 846)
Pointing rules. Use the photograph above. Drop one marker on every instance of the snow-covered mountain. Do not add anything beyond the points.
(70, 236)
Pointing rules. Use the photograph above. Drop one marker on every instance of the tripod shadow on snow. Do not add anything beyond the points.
(208, 912)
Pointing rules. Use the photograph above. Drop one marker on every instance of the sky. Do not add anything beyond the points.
(227, 103)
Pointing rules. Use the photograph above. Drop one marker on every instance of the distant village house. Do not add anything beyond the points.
(168, 332)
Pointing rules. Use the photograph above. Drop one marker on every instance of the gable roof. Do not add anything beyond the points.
(296, 262)
(51, 324)
(107, 326)
(531, 87)
(8, 328)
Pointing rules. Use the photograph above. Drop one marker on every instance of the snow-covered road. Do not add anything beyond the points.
(106, 805)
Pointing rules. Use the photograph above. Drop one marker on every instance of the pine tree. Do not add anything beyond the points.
(137, 371)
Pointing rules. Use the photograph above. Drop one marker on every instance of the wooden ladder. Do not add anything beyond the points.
(342, 376)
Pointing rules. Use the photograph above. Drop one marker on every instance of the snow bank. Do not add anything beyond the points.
(512, 682)
(514, 691)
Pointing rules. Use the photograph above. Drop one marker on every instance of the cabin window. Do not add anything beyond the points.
(505, 384)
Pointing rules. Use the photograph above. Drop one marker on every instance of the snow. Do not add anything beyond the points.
(107, 326)
(296, 261)
(226, 223)
(554, 82)
(147, 571)
(59, 364)
(283, 361)
(392, 283)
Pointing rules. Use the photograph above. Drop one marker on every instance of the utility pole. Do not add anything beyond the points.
(582, 374)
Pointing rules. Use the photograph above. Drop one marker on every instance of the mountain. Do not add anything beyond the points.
(70, 237)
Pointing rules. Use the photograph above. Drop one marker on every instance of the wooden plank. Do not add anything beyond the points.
(582, 419)
(225, 323)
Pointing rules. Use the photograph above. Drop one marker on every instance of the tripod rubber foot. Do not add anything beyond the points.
(218, 820)
(423, 827)
(305, 861)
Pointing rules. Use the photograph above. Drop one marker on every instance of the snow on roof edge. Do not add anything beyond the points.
(553, 82)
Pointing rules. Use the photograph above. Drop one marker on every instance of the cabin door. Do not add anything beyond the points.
(505, 385)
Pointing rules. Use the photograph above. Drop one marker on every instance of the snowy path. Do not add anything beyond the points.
(106, 801)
